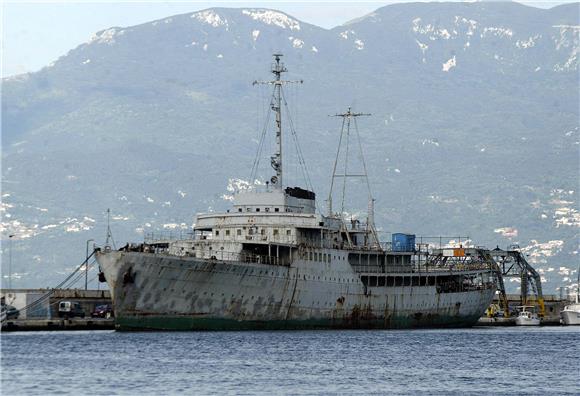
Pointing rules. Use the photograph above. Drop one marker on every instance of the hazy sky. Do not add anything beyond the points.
(36, 32)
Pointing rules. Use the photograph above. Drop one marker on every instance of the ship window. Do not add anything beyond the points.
(390, 281)
(310, 255)
(257, 209)
(324, 257)
(398, 281)
(267, 209)
(239, 232)
(217, 232)
(407, 281)
(381, 281)
(263, 231)
(373, 281)
(227, 232)
(275, 231)
(248, 209)
(276, 209)
(415, 281)
(239, 209)
(288, 232)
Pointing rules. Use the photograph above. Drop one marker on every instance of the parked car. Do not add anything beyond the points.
(103, 311)
(70, 309)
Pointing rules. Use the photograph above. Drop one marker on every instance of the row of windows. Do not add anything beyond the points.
(253, 231)
(375, 259)
(317, 256)
(374, 281)
(258, 209)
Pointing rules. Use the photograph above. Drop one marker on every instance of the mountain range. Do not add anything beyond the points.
(474, 127)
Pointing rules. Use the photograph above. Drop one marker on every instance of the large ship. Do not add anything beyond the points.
(273, 261)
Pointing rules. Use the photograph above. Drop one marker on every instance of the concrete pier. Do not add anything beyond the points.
(58, 324)
(552, 303)
(43, 303)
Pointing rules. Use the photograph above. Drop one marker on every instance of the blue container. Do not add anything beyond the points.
(403, 242)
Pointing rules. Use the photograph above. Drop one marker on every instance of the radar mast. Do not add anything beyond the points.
(276, 105)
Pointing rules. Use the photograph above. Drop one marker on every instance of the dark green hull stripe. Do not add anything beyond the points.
(189, 323)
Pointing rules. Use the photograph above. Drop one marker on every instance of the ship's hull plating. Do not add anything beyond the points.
(160, 292)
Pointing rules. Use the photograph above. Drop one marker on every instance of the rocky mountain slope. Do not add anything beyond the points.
(474, 128)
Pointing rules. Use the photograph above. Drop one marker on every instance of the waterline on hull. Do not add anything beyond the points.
(128, 323)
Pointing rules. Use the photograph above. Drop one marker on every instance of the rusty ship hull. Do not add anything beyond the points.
(159, 292)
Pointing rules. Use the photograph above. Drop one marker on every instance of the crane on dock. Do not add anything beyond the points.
(512, 263)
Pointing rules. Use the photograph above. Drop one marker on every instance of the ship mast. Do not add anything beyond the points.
(276, 105)
(349, 118)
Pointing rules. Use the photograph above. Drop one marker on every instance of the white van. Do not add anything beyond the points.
(70, 309)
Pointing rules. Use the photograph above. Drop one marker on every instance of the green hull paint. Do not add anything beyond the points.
(182, 323)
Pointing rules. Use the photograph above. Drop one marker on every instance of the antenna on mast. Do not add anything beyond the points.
(276, 105)
(109, 233)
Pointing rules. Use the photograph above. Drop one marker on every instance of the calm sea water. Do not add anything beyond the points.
(481, 360)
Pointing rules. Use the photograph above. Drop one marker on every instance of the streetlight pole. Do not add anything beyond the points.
(87, 264)
(10, 261)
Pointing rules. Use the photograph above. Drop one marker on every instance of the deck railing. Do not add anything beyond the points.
(168, 235)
